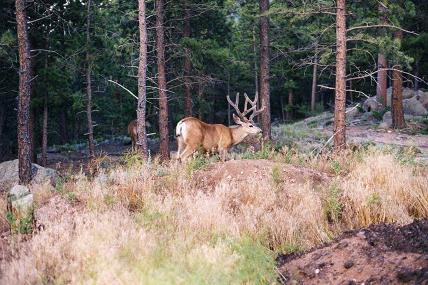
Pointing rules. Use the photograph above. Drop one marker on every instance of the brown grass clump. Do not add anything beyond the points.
(151, 223)
(379, 189)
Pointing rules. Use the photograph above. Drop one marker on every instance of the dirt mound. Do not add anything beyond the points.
(381, 254)
(242, 171)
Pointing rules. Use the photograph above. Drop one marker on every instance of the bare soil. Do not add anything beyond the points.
(380, 254)
(260, 170)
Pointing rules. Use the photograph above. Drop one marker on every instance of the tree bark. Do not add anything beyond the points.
(289, 114)
(142, 74)
(256, 77)
(264, 69)
(314, 80)
(163, 99)
(339, 130)
(382, 64)
(24, 143)
(397, 93)
(44, 157)
(187, 63)
(89, 85)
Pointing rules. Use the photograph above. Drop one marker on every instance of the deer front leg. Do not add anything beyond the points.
(223, 154)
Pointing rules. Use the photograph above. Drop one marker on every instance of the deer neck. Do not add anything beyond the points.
(238, 134)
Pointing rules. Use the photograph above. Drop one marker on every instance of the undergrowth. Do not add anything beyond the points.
(149, 222)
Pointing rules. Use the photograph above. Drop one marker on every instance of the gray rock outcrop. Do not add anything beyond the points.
(9, 175)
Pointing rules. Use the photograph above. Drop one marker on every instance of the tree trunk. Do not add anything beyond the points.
(187, 63)
(416, 85)
(264, 69)
(24, 144)
(32, 142)
(397, 93)
(163, 99)
(142, 74)
(382, 82)
(289, 114)
(89, 85)
(44, 157)
(256, 77)
(340, 100)
(382, 75)
(314, 80)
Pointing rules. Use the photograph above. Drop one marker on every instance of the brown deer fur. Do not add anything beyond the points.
(192, 134)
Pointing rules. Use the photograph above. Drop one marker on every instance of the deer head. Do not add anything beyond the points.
(247, 124)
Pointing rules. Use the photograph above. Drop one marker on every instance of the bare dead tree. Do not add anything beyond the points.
(142, 75)
(339, 130)
(24, 143)
(163, 99)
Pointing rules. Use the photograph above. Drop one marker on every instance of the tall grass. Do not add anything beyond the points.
(148, 223)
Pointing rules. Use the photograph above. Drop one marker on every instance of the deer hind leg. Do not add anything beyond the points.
(187, 152)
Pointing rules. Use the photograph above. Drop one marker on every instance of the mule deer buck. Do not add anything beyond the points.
(192, 133)
(132, 131)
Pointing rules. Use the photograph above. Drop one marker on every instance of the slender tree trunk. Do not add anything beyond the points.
(44, 157)
(256, 77)
(228, 94)
(397, 93)
(24, 143)
(314, 80)
(289, 114)
(264, 69)
(187, 63)
(88, 83)
(382, 64)
(416, 85)
(32, 142)
(163, 99)
(142, 74)
(340, 100)
(382, 80)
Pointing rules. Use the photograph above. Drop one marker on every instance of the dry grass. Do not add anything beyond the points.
(143, 223)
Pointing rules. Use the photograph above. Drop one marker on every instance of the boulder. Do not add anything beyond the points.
(353, 112)
(386, 121)
(414, 107)
(20, 206)
(407, 94)
(423, 98)
(372, 104)
(9, 175)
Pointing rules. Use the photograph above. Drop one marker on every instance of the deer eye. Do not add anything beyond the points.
(251, 126)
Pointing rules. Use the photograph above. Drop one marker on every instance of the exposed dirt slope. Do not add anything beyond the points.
(262, 170)
(382, 254)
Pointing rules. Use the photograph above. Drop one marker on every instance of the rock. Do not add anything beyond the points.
(423, 98)
(353, 112)
(407, 94)
(9, 175)
(414, 107)
(372, 104)
(20, 205)
(386, 121)
(348, 264)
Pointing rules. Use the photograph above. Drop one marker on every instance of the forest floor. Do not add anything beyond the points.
(292, 213)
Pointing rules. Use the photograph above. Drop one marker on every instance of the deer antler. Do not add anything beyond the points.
(254, 103)
(246, 110)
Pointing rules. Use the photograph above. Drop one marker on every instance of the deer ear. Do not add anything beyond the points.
(237, 119)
